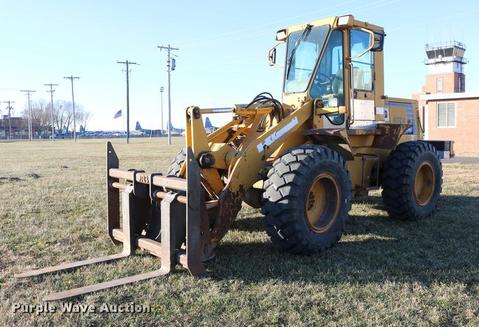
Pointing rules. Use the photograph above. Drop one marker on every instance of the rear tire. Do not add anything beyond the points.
(306, 200)
(412, 181)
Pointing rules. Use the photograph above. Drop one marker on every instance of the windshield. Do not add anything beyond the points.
(303, 51)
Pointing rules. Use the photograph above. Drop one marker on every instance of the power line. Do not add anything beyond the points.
(352, 6)
(51, 85)
(127, 64)
(71, 78)
(30, 124)
(170, 65)
(265, 29)
(9, 102)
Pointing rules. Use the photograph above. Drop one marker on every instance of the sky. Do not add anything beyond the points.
(223, 50)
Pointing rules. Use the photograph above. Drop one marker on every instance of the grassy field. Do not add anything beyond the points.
(383, 272)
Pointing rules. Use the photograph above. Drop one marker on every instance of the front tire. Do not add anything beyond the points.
(307, 198)
(175, 165)
(412, 181)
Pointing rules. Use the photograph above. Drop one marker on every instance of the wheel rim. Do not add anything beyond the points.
(424, 183)
(322, 203)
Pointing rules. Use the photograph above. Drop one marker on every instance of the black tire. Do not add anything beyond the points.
(399, 176)
(174, 171)
(286, 195)
(175, 164)
(180, 224)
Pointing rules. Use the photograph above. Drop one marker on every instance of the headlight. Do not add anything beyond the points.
(281, 35)
(345, 20)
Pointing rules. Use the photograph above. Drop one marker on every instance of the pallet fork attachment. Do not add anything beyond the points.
(139, 194)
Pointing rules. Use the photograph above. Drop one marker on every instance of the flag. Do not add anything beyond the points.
(117, 115)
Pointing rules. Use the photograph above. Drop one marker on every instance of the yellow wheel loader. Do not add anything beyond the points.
(334, 136)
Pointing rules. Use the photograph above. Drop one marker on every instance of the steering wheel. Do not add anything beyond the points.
(328, 79)
(323, 80)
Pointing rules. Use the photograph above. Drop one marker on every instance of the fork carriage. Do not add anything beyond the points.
(165, 216)
(153, 207)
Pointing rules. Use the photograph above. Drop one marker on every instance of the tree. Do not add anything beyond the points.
(62, 115)
(40, 115)
(83, 117)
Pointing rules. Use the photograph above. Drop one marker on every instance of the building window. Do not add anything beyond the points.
(446, 115)
(439, 85)
(460, 82)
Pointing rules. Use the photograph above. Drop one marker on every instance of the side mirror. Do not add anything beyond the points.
(272, 56)
(378, 41)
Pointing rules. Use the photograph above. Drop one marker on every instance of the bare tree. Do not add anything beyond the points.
(40, 116)
(62, 115)
(83, 117)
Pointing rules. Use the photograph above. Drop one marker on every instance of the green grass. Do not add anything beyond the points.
(383, 272)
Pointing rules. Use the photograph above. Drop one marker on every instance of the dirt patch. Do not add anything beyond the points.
(13, 179)
(9, 179)
(34, 176)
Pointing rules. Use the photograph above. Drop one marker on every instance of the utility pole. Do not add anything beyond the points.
(127, 64)
(9, 103)
(161, 92)
(51, 85)
(71, 78)
(170, 65)
(30, 124)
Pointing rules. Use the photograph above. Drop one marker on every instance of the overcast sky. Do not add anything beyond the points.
(223, 46)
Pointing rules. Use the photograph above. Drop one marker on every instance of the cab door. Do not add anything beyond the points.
(362, 108)
(328, 83)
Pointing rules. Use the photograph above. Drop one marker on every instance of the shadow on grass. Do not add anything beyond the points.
(375, 202)
(250, 224)
(441, 248)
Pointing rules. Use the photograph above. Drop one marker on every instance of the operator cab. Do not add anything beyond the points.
(338, 63)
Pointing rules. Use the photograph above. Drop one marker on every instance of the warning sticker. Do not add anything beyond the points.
(386, 114)
(270, 139)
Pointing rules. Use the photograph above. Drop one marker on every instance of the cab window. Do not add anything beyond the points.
(328, 83)
(304, 48)
(363, 66)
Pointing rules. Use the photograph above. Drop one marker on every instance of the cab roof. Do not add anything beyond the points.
(335, 23)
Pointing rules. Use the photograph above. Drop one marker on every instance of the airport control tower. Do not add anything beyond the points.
(445, 63)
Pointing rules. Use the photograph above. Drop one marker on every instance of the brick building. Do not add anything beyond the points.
(447, 111)
(17, 127)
